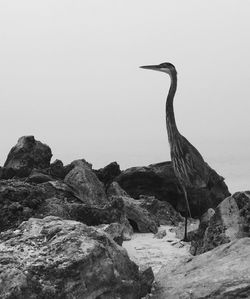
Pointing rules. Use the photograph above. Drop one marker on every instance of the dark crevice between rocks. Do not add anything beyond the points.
(134, 225)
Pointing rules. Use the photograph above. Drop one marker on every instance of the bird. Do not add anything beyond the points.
(189, 166)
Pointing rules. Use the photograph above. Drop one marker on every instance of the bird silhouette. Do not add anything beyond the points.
(189, 166)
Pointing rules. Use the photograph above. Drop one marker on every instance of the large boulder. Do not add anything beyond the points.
(162, 211)
(154, 180)
(85, 184)
(229, 221)
(160, 181)
(90, 215)
(21, 200)
(26, 155)
(138, 216)
(221, 273)
(55, 258)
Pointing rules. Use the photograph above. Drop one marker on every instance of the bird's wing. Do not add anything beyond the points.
(192, 168)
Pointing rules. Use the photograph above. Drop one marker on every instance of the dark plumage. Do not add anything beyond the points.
(189, 167)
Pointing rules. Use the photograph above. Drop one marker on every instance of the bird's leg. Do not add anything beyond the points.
(185, 239)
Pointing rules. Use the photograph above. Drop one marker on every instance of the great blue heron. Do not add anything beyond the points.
(189, 167)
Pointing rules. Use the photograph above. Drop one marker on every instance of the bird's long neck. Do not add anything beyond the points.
(170, 119)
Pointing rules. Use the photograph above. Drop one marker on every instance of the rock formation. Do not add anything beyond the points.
(221, 273)
(159, 180)
(85, 184)
(138, 216)
(73, 214)
(230, 221)
(26, 155)
(108, 173)
(54, 258)
(21, 200)
(162, 211)
(57, 170)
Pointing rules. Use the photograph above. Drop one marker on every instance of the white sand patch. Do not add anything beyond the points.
(145, 250)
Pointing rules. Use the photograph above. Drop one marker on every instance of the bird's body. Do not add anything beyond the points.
(189, 167)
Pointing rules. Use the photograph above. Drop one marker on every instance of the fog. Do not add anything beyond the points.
(69, 73)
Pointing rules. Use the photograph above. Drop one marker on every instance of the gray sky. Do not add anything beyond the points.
(70, 75)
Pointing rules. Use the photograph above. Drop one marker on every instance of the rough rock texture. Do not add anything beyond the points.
(231, 220)
(54, 258)
(139, 218)
(57, 170)
(154, 180)
(159, 180)
(221, 273)
(85, 184)
(115, 189)
(90, 215)
(162, 211)
(38, 177)
(146, 279)
(119, 232)
(108, 173)
(20, 200)
(27, 154)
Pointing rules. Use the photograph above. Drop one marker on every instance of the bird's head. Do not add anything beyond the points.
(165, 67)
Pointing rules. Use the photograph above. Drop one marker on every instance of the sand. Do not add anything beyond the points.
(145, 250)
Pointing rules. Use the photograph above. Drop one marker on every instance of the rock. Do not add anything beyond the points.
(57, 170)
(139, 218)
(146, 279)
(27, 154)
(108, 173)
(115, 189)
(127, 231)
(162, 211)
(21, 200)
(85, 184)
(117, 231)
(114, 230)
(230, 220)
(221, 273)
(159, 180)
(161, 234)
(38, 177)
(90, 215)
(154, 180)
(54, 258)
(29, 198)
(205, 218)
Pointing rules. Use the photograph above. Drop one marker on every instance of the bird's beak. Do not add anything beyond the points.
(151, 67)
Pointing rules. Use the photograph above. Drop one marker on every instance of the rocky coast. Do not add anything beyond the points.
(71, 231)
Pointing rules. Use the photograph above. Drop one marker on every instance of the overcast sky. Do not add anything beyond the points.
(70, 76)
